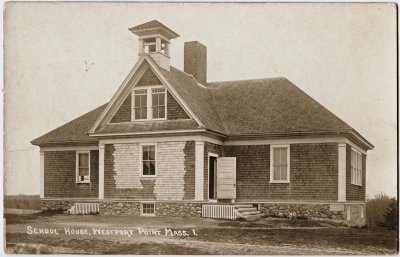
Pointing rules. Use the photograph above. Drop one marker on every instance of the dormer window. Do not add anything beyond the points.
(150, 103)
(140, 104)
(158, 103)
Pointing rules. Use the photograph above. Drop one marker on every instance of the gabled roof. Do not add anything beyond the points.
(265, 106)
(197, 97)
(75, 131)
(258, 107)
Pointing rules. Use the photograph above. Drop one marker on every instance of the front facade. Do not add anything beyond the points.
(170, 143)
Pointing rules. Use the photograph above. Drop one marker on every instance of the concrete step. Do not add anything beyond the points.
(252, 217)
(249, 213)
(247, 209)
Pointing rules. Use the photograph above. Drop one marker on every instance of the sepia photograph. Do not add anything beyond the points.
(200, 128)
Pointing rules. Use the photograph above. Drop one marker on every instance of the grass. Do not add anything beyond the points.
(266, 236)
(30, 202)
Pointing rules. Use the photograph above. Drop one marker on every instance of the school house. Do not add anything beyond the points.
(169, 142)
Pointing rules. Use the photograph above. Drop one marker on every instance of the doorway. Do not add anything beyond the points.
(212, 177)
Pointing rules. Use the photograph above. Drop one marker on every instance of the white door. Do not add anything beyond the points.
(226, 178)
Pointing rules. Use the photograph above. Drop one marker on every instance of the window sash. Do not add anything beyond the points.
(148, 160)
(280, 164)
(148, 208)
(83, 167)
(158, 103)
(356, 168)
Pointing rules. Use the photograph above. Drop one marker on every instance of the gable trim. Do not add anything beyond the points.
(116, 95)
(173, 92)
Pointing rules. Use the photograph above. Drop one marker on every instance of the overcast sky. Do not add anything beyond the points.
(65, 59)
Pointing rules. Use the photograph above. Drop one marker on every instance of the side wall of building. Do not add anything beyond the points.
(355, 192)
(313, 173)
(60, 175)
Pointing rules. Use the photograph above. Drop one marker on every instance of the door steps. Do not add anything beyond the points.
(248, 211)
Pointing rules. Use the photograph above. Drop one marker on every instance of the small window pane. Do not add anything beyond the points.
(283, 172)
(283, 155)
(155, 99)
(277, 155)
(277, 173)
(152, 170)
(83, 160)
(161, 99)
(83, 171)
(146, 168)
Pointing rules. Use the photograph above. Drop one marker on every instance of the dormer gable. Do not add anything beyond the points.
(145, 96)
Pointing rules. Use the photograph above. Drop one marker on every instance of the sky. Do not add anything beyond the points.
(65, 59)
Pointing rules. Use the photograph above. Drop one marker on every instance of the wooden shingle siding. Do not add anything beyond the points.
(110, 190)
(174, 110)
(148, 79)
(252, 170)
(189, 177)
(175, 164)
(313, 172)
(60, 175)
(354, 192)
(124, 112)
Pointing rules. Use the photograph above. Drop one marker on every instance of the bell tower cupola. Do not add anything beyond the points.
(154, 39)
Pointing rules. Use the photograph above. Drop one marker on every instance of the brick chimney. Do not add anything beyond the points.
(195, 61)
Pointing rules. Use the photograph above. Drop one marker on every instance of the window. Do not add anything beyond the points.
(83, 167)
(148, 160)
(280, 164)
(356, 168)
(150, 103)
(141, 104)
(147, 209)
(158, 103)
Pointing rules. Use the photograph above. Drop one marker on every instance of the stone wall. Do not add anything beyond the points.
(174, 209)
(301, 211)
(120, 208)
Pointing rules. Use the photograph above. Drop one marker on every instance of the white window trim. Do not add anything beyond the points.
(271, 169)
(351, 168)
(149, 102)
(141, 160)
(77, 167)
(147, 214)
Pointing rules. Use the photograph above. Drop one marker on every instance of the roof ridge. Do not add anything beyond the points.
(244, 80)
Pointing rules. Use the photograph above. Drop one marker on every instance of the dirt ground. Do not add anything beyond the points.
(94, 234)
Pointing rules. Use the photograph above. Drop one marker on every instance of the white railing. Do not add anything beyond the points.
(84, 208)
(219, 211)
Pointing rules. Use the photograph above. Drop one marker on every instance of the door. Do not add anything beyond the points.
(212, 171)
(226, 178)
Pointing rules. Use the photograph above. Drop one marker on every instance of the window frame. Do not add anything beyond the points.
(271, 174)
(357, 178)
(134, 102)
(77, 166)
(141, 160)
(147, 214)
(149, 90)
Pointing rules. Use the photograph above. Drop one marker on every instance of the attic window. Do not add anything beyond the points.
(150, 103)
(141, 104)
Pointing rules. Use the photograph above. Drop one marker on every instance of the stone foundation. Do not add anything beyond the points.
(342, 214)
(178, 209)
(129, 208)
